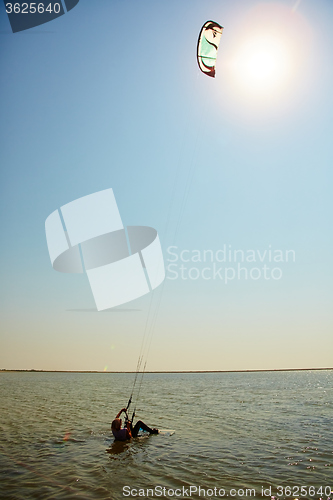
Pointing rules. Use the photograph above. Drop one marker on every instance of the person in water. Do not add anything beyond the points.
(125, 433)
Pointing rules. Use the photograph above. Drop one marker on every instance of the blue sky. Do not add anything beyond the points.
(110, 95)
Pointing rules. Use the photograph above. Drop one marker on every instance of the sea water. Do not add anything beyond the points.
(237, 435)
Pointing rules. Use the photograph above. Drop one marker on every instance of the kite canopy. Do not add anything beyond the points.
(208, 43)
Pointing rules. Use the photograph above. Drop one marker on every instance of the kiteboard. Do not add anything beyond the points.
(166, 432)
(161, 432)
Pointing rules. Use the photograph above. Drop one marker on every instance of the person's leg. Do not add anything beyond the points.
(141, 425)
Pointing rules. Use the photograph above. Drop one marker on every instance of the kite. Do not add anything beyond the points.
(208, 44)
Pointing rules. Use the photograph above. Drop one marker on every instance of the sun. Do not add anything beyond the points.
(262, 65)
(266, 60)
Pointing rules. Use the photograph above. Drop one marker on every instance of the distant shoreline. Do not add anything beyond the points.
(3, 370)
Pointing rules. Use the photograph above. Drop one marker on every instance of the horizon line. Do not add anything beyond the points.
(171, 371)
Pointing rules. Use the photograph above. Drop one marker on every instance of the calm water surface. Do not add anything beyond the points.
(233, 431)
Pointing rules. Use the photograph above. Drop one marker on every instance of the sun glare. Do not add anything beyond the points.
(266, 58)
(262, 65)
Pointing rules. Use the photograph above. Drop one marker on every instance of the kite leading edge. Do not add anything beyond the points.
(208, 44)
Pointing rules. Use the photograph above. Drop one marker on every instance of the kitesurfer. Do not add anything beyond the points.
(125, 433)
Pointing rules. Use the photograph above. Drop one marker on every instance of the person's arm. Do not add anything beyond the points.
(128, 430)
(121, 411)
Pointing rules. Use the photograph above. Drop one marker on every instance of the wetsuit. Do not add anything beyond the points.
(122, 434)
